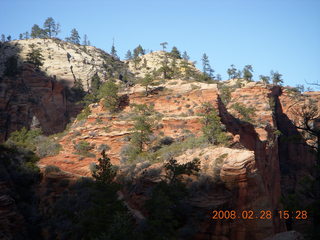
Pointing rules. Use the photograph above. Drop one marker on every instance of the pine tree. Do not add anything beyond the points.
(146, 82)
(74, 37)
(104, 172)
(20, 36)
(85, 40)
(34, 56)
(207, 70)
(142, 127)
(37, 32)
(109, 91)
(128, 55)
(232, 72)
(264, 79)
(3, 38)
(113, 51)
(238, 74)
(186, 69)
(9, 38)
(138, 51)
(95, 84)
(276, 78)
(50, 27)
(185, 56)
(175, 53)
(212, 127)
(164, 45)
(26, 35)
(165, 69)
(247, 72)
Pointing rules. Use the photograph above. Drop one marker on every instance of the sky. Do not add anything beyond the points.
(279, 35)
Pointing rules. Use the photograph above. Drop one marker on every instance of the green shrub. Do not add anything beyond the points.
(24, 138)
(225, 94)
(246, 112)
(84, 114)
(166, 152)
(47, 147)
(98, 121)
(104, 171)
(109, 91)
(143, 124)
(212, 127)
(34, 56)
(104, 147)
(51, 168)
(83, 148)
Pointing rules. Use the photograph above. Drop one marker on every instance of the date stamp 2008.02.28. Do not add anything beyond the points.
(261, 214)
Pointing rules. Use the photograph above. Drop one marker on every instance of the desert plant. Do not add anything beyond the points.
(24, 138)
(143, 124)
(246, 112)
(109, 91)
(83, 148)
(212, 128)
(51, 168)
(225, 94)
(104, 147)
(46, 146)
(104, 172)
(34, 56)
(84, 114)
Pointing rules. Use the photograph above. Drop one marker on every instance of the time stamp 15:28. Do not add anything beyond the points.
(262, 214)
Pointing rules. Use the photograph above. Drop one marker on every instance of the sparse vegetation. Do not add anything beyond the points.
(247, 72)
(148, 81)
(51, 168)
(165, 209)
(212, 128)
(104, 172)
(109, 91)
(140, 138)
(225, 94)
(247, 113)
(82, 148)
(34, 56)
(24, 138)
(84, 114)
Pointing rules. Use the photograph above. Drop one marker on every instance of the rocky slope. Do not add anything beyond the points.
(43, 96)
(251, 172)
(152, 62)
(65, 61)
(252, 175)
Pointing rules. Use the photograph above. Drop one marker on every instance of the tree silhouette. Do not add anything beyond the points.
(74, 37)
(164, 45)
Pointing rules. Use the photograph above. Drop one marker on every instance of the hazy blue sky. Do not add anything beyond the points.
(282, 35)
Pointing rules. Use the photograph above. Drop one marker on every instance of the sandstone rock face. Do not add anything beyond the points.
(42, 95)
(151, 62)
(179, 107)
(248, 175)
(238, 171)
(253, 175)
(65, 61)
(33, 96)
